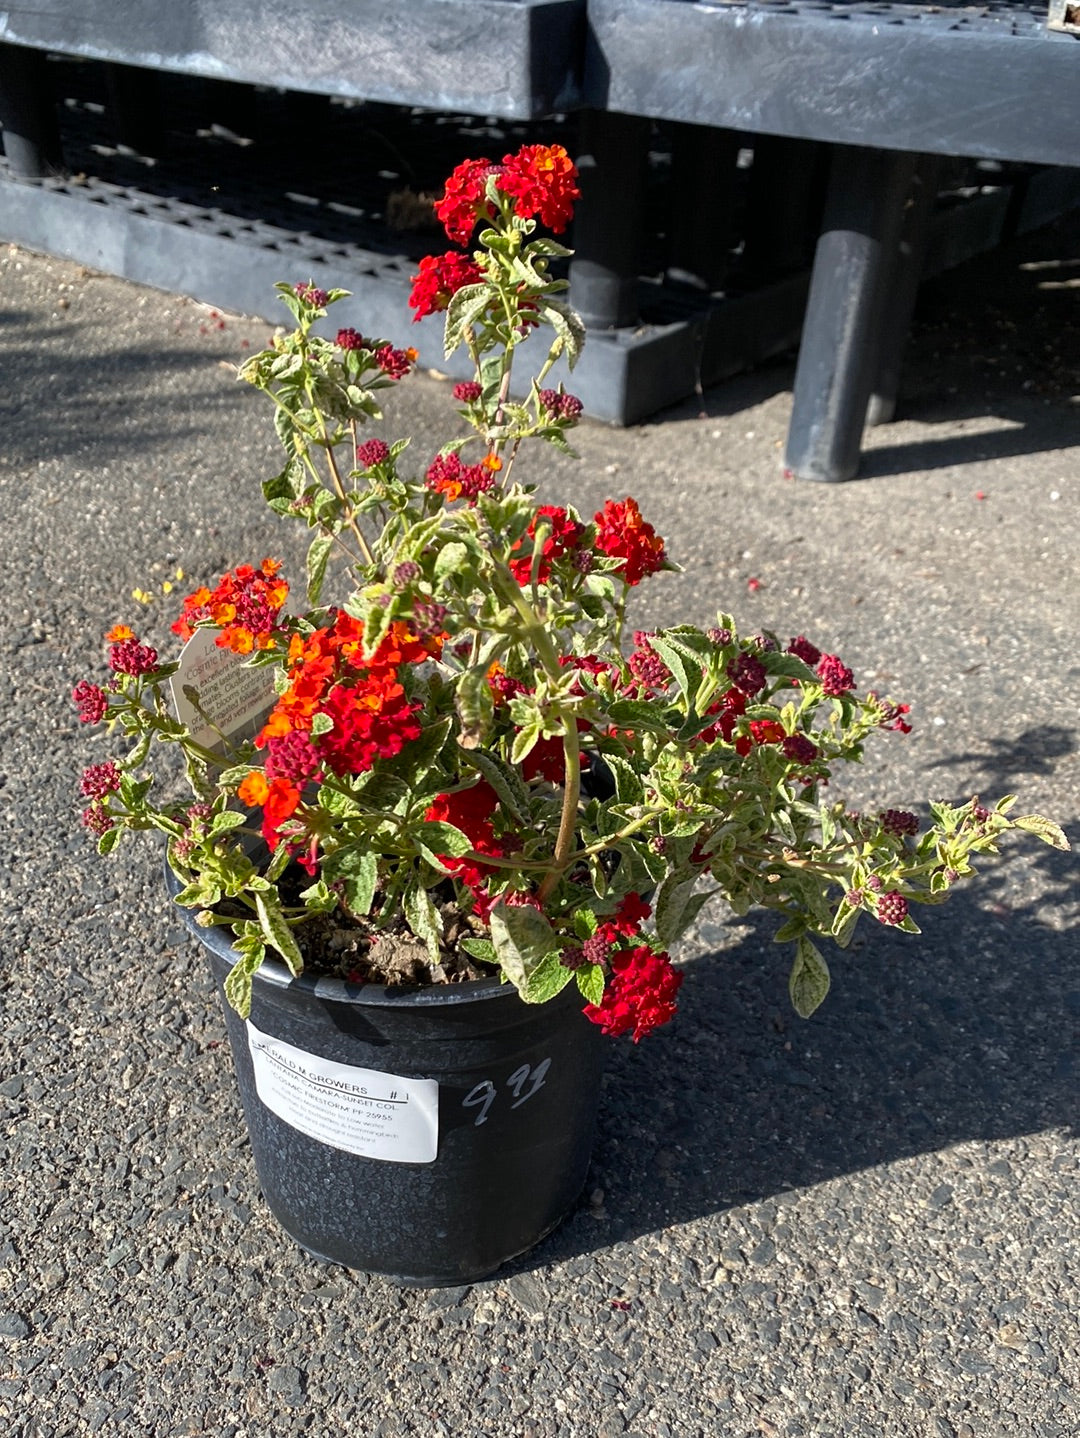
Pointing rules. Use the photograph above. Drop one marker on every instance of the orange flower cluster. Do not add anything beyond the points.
(245, 606)
(370, 716)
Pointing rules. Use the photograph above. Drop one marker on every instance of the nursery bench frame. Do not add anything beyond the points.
(890, 86)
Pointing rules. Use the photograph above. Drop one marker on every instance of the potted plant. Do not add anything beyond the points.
(441, 830)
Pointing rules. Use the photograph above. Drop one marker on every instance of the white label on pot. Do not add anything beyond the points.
(216, 693)
(372, 1114)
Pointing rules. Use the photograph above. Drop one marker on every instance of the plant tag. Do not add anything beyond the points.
(216, 695)
(374, 1115)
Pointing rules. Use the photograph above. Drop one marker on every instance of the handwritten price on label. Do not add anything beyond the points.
(482, 1095)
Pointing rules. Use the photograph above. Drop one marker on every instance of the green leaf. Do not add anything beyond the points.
(788, 665)
(318, 897)
(424, 751)
(549, 978)
(465, 308)
(277, 932)
(134, 791)
(226, 820)
(847, 916)
(567, 326)
(590, 982)
(638, 714)
(359, 870)
(238, 979)
(479, 948)
(422, 917)
(443, 838)
(451, 560)
(283, 488)
(108, 841)
(1049, 832)
(475, 708)
(335, 802)
(673, 905)
(321, 724)
(317, 556)
(526, 739)
(523, 938)
(809, 980)
(547, 248)
(674, 661)
(585, 923)
(788, 932)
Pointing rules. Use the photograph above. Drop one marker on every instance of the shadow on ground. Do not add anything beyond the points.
(966, 1034)
(119, 401)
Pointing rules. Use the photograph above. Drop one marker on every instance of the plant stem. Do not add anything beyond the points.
(353, 523)
(509, 589)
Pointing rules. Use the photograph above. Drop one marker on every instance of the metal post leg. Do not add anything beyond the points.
(904, 288)
(28, 113)
(607, 227)
(853, 266)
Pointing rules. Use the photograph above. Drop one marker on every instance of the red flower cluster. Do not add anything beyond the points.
(891, 908)
(836, 678)
(899, 822)
(561, 406)
(364, 699)
(470, 810)
(245, 606)
(503, 686)
(395, 364)
(640, 994)
(448, 476)
(800, 749)
(804, 650)
(371, 453)
(649, 670)
(565, 538)
(621, 533)
(464, 201)
(541, 179)
(312, 295)
(438, 281)
(731, 706)
(747, 673)
(127, 655)
(100, 779)
(91, 701)
(766, 731)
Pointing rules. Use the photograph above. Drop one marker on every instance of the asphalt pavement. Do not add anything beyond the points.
(860, 1226)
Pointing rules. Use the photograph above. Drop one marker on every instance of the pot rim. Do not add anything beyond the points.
(276, 973)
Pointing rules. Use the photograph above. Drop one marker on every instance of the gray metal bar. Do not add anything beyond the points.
(853, 266)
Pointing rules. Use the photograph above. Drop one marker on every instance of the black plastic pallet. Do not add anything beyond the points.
(949, 78)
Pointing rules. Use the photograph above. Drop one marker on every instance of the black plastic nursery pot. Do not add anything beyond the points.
(425, 1134)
